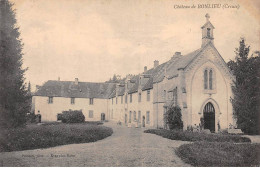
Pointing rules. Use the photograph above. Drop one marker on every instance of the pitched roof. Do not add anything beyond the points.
(113, 94)
(70, 89)
(108, 90)
(149, 84)
(208, 23)
(181, 63)
(134, 80)
(170, 68)
(121, 91)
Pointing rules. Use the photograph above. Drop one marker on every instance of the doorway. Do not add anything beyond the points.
(143, 121)
(125, 118)
(103, 117)
(209, 117)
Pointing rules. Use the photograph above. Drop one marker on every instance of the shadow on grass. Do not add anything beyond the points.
(197, 136)
(50, 135)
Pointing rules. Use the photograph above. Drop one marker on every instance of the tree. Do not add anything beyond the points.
(172, 118)
(13, 92)
(246, 88)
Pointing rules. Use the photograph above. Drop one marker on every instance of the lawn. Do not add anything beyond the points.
(197, 136)
(50, 135)
(214, 154)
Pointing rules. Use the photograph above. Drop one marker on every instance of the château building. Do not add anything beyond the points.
(198, 82)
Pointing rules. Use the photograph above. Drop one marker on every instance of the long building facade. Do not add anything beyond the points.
(199, 83)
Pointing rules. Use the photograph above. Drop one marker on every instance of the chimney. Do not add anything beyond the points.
(156, 63)
(76, 81)
(177, 53)
(145, 68)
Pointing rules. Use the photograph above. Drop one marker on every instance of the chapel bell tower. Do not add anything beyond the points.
(207, 32)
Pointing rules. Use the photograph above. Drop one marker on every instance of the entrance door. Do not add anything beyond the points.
(103, 117)
(125, 118)
(209, 117)
(143, 121)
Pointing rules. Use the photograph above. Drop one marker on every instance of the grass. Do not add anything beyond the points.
(196, 136)
(50, 135)
(86, 122)
(225, 154)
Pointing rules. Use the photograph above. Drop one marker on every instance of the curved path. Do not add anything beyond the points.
(126, 147)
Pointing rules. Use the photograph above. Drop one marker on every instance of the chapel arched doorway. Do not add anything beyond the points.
(209, 117)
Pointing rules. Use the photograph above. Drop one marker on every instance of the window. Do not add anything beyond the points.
(126, 98)
(130, 116)
(121, 99)
(116, 100)
(205, 79)
(134, 115)
(139, 97)
(164, 94)
(147, 117)
(148, 95)
(50, 100)
(208, 32)
(91, 101)
(72, 100)
(90, 114)
(208, 79)
(130, 98)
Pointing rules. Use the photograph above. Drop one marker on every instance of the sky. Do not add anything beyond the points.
(94, 39)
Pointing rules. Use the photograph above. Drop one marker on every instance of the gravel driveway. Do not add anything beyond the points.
(126, 147)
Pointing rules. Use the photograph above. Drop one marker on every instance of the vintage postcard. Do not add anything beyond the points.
(129, 83)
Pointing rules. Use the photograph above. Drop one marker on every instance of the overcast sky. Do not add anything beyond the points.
(92, 40)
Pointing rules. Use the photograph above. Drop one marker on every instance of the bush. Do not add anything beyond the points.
(197, 136)
(220, 154)
(172, 118)
(72, 116)
(30, 118)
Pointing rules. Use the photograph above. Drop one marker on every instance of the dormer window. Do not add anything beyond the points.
(72, 100)
(91, 101)
(50, 100)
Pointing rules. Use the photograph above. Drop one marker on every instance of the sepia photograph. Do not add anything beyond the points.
(129, 83)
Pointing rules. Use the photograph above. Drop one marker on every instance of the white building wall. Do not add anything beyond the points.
(145, 106)
(49, 111)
